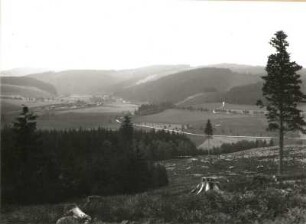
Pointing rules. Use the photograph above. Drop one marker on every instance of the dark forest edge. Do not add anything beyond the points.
(50, 166)
(54, 165)
(239, 146)
(147, 109)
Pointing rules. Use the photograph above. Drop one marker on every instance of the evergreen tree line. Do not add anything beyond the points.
(239, 146)
(146, 109)
(52, 165)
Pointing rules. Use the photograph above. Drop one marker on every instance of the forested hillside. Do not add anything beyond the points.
(248, 94)
(177, 87)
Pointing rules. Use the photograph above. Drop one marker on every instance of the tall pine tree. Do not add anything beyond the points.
(126, 132)
(282, 92)
(208, 132)
(208, 129)
(29, 157)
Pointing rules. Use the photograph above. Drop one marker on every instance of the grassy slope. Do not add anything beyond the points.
(242, 201)
(90, 117)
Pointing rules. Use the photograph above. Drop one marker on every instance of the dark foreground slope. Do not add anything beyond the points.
(244, 198)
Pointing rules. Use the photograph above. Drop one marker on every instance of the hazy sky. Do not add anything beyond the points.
(113, 34)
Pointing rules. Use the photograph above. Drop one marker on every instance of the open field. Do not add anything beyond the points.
(106, 108)
(223, 124)
(105, 116)
(230, 124)
(227, 106)
(243, 199)
(184, 116)
(72, 120)
(85, 117)
(14, 105)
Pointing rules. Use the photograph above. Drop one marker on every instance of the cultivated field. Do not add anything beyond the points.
(244, 199)
(14, 105)
(106, 108)
(224, 124)
(227, 106)
(85, 117)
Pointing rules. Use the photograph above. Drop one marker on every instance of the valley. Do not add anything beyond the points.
(152, 112)
(80, 108)
(178, 103)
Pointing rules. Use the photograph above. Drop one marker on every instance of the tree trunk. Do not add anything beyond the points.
(281, 149)
(208, 146)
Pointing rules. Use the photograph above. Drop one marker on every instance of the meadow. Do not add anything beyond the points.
(245, 198)
(14, 105)
(223, 124)
(86, 117)
(105, 116)
(93, 117)
(228, 106)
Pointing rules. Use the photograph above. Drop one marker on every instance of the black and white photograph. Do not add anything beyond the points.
(153, 112)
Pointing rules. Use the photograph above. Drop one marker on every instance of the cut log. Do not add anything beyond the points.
(207, 184)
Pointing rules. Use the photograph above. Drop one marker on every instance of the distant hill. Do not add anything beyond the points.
(26, 86)
(177, 87)
(243, 94)
(103, 81)
(22, 71)
(247, 94)
(178, 84)
(143, 75)
(239, 68)
(199, 99)
(78, 81)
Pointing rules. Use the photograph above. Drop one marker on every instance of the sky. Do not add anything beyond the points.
(120, 34)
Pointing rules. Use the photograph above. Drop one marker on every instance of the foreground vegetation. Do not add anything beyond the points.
(52, 166)
(248, 196)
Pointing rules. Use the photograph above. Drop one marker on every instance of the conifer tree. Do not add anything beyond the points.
(25, 127)
(126, 133)
(208, 129)
(282, 92)
(25, 136)
(209, 132)
(29, 157)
